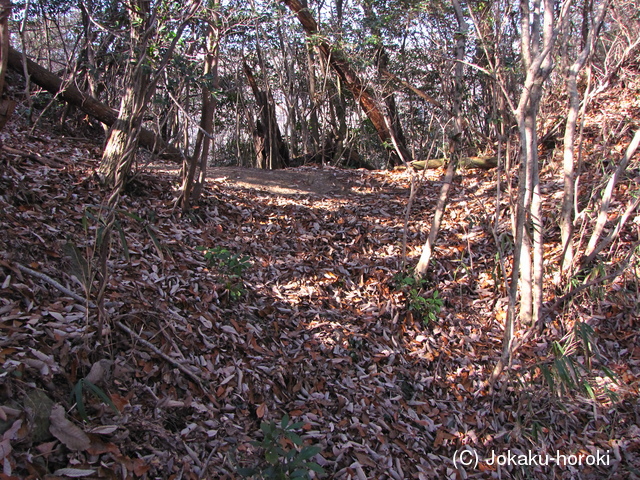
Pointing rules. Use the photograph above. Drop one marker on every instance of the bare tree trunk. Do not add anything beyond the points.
(595, 245)
(382, 63)
(425, 257)
(203, 141)
(25, 73)
(314, 128)
(86, 63)
(287, 78)
(590, 35)
(271, 151)
(5, 13)
(6, 106)
(538, 37)
(123, 139)
(124, 136)
(209, 108)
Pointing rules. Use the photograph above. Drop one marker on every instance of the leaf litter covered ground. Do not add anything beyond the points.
(194, 357)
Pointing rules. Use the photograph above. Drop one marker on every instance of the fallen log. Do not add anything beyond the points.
(88, 104)
(49, 161)
(465, 162)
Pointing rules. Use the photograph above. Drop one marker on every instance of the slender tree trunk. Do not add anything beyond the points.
(589, 34)
(86, 60)
(382, 64)
(124, 135)
(191, 192)
(425, 257)
(538, 35)
(6, 106)
(25, 72)
(209, 106)
(5, 13)
(287, 78)
(595, 245)
(314, 125)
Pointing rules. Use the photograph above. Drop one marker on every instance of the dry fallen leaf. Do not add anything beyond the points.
(74, 472)
(65, 431)
(99, 371)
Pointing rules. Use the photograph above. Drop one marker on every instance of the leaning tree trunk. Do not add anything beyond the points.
(366, 99)
(88, 104)
(271, 150)
(124, 135)
(140, 86)
(425, 257)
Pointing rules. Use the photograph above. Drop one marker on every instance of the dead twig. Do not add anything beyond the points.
(54, 283)
(199, 381)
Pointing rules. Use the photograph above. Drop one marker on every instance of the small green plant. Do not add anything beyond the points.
(78, 390)
(285, 457)
(570, 369)
(230, 266)
(426, 308)
(91, 264)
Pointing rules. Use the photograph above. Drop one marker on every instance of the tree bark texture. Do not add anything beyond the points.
(6, 105)
(568, 197)
(203, 140)
(425, 257)
(538, 36)
(124, 134)
(382, 63)
(123, 138)
(595, 245)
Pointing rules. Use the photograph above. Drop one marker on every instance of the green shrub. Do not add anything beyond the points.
(230, 266)
(427, 308)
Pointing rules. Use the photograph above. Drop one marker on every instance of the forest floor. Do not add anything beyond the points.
(264, 304)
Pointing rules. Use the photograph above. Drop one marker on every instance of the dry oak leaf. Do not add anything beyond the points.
(74, 472)
(65, 431)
